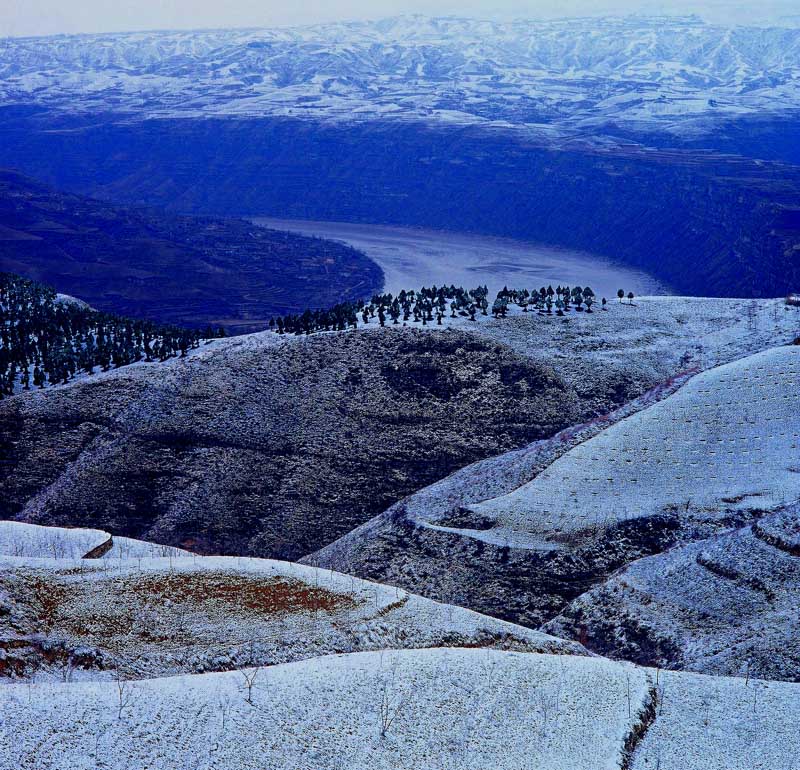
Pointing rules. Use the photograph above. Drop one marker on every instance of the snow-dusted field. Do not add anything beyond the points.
(663, 334)
(719, 723)
(411, 258)
(439, 709)
(161, 616)
(33, 541)
(728, 440)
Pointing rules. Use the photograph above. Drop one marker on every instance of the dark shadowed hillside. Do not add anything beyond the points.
(184, 270)
(705, 223)
(271, 446)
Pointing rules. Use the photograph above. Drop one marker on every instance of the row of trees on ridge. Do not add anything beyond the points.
(432, 305)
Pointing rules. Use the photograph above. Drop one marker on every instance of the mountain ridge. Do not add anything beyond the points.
(459, 70)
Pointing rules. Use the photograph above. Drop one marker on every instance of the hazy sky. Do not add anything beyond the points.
(47, 17)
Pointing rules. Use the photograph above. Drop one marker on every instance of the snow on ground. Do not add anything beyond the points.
(440, 709)
(727, 605)
(659, 335)
(719, 723)
(32, 540)
(18, 539)
(554, 77)
(664, 340)
(646, 342)
(142, 365)
(437, 709)
(159, 616)
(128, 548)
(412, 257)
(728, 440)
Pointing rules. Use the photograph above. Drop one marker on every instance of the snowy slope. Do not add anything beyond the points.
(568, 75)
(716, 723)
(726, 605)
(727, 441)
(437, 709)
(505, 537)
(18, 539)
(664, 340)
(31, 540)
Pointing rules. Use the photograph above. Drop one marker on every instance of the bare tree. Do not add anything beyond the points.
(391, 699)
(224, 703)
(67, 667)
(125, 691)
(249, 675)
(628, 692)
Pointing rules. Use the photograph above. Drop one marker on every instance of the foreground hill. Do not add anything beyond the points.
(141, 610)
(181, 270)
(433, 709)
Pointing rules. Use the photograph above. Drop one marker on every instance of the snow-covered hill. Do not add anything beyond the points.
(430, 709)
(145, 612)
(728, 441)
(22, 540)
(726, 605)
(322, 670)
(523, 534)
(559, 76)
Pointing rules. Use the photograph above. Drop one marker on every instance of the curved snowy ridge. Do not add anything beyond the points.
(162, 616)
(570, 73)
(18, 539)
(726, 441)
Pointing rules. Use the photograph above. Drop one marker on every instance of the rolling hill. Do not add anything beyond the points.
(321, 669)
(725, 605)
(269, 445)
(142, 610)
(435, 708)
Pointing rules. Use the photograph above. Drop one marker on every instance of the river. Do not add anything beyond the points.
(411, 258)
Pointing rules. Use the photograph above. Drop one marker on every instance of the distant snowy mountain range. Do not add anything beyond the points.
(557, 78)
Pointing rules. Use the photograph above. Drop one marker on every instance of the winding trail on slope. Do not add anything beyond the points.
(540, 454)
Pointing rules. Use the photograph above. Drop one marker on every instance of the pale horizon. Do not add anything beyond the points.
(37, 18)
